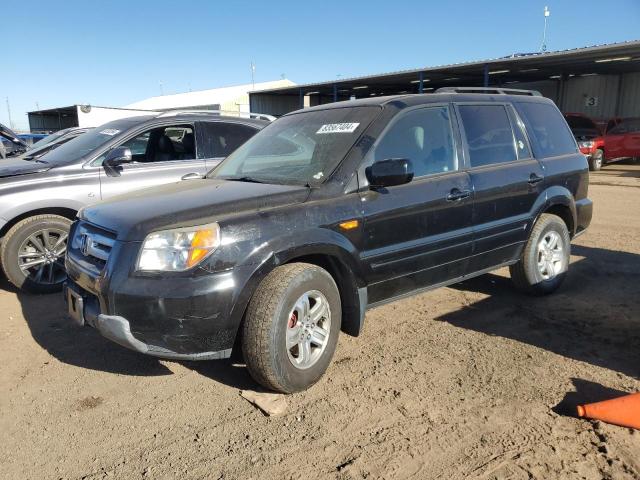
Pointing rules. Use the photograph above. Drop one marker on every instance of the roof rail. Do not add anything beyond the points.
(489, 90)
(227, 113)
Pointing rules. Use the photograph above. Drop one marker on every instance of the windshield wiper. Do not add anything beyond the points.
(244, 179)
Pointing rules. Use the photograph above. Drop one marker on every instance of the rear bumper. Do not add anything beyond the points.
(584, 212)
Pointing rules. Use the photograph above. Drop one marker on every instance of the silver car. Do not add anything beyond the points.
(40, 197)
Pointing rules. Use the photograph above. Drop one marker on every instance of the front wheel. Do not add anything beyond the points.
(33, 251)
(597, 160)
(545, 260)
(291, 327)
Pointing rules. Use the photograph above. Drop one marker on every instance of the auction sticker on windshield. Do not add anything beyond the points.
(338, 128)
(110, 131)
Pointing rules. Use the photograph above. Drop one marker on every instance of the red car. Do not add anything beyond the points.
(621, 140)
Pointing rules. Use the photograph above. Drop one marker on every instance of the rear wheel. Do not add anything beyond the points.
(597, 160)
(545, 260)
(33, 251)
(291, 327)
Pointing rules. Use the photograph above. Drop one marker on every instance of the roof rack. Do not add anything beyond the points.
(489, 90)
(257, 116)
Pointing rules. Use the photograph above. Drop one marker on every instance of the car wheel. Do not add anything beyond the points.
(291, 327)
(597, 160)
(33, 251)
(545, 260)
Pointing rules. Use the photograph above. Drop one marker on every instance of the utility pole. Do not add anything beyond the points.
(253, 75)
(9, 112)
(161, 88)
(547, 13)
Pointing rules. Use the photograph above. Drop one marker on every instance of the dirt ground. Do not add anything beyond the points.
(472, 381)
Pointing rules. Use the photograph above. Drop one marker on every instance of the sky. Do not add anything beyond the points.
(112, 53)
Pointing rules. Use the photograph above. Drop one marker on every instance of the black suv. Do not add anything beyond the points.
(326, 212)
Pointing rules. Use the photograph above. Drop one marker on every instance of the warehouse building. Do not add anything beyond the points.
(600, 81)
(230, 99)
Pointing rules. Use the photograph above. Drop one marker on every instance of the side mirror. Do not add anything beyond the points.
(118, 156)
(192, 176)
(390, 172)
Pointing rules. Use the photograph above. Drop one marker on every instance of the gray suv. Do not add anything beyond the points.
(39, 198)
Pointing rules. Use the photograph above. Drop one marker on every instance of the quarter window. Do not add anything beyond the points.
(548, 129)
(423, 136)
(489, 135)
(219, 139)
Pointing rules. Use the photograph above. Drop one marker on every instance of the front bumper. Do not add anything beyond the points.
(189, 316)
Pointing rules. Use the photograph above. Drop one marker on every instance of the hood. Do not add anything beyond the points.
(10, 135)
(187, 203)
(11, 167)
(582, 134)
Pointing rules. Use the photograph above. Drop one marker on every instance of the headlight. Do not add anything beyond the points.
(178, 250)
(585, 144)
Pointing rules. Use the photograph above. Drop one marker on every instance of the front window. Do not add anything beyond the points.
(82, 145)
(299, 149)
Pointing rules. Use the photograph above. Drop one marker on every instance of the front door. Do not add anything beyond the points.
(161, 155)
(418, 234)
(506, 180)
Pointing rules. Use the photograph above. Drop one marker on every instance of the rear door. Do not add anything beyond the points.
(631, 142)
(418, 234)
(614, 141)
(216, 140)
(162, 154)
(506, 181)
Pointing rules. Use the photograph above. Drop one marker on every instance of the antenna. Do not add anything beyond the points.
(547, 14)
(161, 88)
(253, 74)
(9, 112)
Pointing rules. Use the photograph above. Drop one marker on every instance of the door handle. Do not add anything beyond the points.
(191, 176)
(534, 178)
(456, 195)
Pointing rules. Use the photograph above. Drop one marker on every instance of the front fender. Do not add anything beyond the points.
(298, 244)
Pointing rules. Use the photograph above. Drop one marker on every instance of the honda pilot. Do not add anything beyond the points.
(325, 213)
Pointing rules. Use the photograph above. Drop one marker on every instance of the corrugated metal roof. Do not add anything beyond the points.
(503, 60)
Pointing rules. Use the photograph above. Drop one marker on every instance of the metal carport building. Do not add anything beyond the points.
(601, 81)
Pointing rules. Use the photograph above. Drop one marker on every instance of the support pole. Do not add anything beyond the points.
(301, 98)
(486, 75)
(421, 83)
(335, 92)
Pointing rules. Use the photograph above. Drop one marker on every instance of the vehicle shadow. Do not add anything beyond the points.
(593, 318)
(46, 318)
(50, 327)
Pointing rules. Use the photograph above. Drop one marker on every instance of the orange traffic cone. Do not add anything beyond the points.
(623, 411)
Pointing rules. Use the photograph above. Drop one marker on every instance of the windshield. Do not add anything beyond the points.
(580, 123)
(299, 149)
(49, 138)
(83, 144)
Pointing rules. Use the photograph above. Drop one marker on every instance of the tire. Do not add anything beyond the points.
(532, 274)
(597, 160)
(28, 238)
(276, 313)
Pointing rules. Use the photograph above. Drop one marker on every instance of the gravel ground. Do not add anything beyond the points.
(472, 381)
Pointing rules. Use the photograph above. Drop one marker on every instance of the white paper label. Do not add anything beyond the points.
(338, 128)
(110, 131)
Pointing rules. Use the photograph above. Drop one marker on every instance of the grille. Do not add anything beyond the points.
(93, 243)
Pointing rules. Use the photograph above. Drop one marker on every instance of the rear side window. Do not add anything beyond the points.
(218, 139)
(547, 129)
(423, 136)
(626, 126)
(489, 134)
